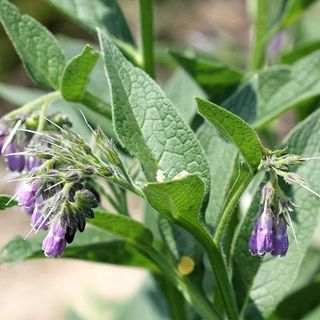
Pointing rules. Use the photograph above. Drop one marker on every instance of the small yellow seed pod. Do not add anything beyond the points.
(186, 265)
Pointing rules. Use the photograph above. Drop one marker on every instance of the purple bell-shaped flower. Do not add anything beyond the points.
(54, 243)
(37, 218)
(280, 238)
(33, 162)
(15, 162)
(261, 240)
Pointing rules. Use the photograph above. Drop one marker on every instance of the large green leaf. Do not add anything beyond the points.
(6, 203)
(92, 245)
(181, 90)
(217, 79)
(236, 130)
(273, 279)
(123, 227)
(147, 123)
(36, 46)
(271, 92)
(221, 156)
(103, 14)
(76, 74)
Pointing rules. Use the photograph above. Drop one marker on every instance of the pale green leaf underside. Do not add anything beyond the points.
(235, 129)
(36, 46)
(92, 14)
(271, 92)
(147, 123)
(276, 276)
(76, 74)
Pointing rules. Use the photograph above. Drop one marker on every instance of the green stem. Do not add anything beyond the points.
(190, 292)
(259, 43)
(218, 266)
(43, 114)
(146, 26)
(35, 103)
(174, 298)
(239, 186)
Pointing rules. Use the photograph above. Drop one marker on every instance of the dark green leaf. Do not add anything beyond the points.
(76, 74)
(124, 228)
(235, 129)
(217, 79)
(4, 199)
(36, 46)
(147, 123)
(103, 14)
(92, 245)
(272, 92)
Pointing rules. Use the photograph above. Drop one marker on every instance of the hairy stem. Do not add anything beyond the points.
(146, 29)
(259, 43)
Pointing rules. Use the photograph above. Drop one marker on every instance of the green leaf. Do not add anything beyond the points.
(217, 79)
(4, 199)
(181, 90)
(271, 92)
(36, 46)
(294, 10)
(300, 303)
(235, 129)
(124, 228)
(76, 74)
(146, 122)
(18, 95)
(103, 14)
(290, 57)
(177, 200)
(221, 156)
(92, 245)
(276, 276)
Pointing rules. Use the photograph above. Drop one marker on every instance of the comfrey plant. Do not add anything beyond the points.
(104, 132)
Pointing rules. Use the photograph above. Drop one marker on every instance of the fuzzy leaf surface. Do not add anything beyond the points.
(147, 123)
(36, 46)
(235, 129)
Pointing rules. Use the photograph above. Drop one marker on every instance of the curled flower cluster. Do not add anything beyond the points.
(269, 233)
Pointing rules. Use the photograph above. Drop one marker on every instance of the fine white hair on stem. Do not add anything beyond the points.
(53, 123)
(11, 136)
(56, 184)
(32, 131)
(309, 189)
(312, 158)
(293, 232)
(22, 153)
(87, 123)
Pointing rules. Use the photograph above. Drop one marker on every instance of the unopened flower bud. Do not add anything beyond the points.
(15, 162)
(280, 238)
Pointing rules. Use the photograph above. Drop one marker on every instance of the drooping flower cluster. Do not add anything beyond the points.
(269, 233)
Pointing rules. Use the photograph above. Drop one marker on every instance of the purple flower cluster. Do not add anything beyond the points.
(269, 235)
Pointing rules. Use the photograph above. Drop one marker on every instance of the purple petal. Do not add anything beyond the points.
(54, 243)
(280, 238)
(15, 162)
